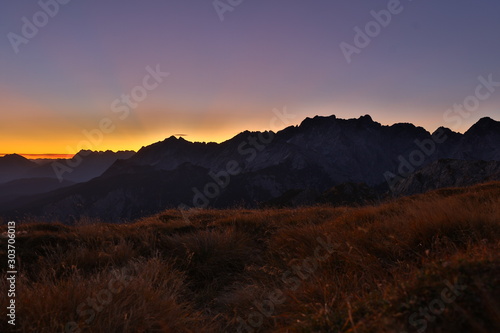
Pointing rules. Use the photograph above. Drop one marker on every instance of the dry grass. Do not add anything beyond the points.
(312, 269)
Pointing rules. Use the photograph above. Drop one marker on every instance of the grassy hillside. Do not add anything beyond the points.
(427, 263)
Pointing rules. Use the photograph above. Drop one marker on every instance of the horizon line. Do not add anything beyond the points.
(49, 156)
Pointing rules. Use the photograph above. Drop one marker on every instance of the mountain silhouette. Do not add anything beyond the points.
(13, 166)
(253, 168)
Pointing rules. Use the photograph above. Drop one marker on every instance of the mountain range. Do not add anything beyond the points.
(22, 177)
(308, 163)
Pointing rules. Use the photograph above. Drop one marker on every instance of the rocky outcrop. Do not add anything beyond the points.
(448, 173)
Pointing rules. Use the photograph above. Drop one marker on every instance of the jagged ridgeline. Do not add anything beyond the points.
(302, 164)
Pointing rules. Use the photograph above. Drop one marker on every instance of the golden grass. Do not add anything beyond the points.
(310, 269)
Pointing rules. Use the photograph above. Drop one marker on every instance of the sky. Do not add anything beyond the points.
(64, 85)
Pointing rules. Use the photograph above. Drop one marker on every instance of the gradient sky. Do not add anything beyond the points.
(228, 76)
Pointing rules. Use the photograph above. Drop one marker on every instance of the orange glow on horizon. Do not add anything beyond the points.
(118, 143)
(43, 156)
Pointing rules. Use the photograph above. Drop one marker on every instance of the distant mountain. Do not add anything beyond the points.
(480, 142)
(14, 189)
(448, 173)
(84, 166)
(256, 167)
(345, 194)
(14, 166)
(115, 198)
(20, 177)
(358, 150)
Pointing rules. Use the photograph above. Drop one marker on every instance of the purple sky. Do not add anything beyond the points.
(228, 76)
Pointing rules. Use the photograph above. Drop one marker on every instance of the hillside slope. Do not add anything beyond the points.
(429, 262)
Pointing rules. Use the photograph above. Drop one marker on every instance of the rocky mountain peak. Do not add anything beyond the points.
(15, 159)
(483, 125)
